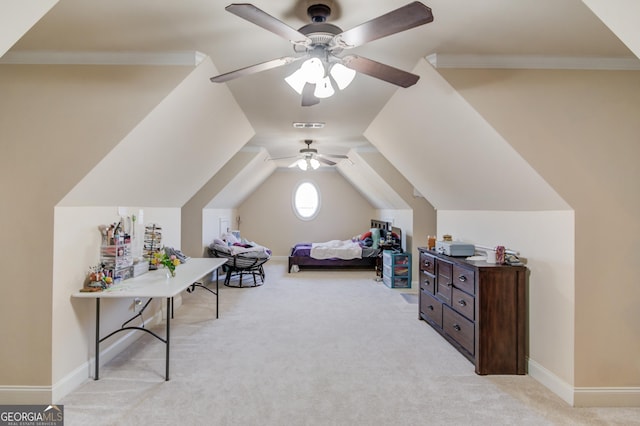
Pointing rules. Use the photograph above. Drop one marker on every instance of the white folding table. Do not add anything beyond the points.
(151, 285)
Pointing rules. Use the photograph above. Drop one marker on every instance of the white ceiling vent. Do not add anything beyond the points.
(300, 125)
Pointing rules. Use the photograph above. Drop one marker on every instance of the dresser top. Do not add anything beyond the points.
(462, 260)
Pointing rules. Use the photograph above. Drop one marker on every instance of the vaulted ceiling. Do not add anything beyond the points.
(492, 27)
(464, 33)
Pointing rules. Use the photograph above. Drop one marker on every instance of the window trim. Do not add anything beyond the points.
(293, 200)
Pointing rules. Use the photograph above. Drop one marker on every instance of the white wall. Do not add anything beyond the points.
(213, 221)
(452, 155)
(77, 248)
(621, 17)
(587, 150)
(17, 17)
(545, 241)
(172, 153)
(268, 218)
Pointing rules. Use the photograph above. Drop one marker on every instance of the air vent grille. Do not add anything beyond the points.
(300, 125)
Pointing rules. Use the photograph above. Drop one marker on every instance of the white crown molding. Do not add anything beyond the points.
(445, 60)
(184, 58)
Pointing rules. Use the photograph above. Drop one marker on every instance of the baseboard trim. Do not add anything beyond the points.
(606, 397)
(54, 394)
(585, 396)
(554, 383)
(86, 370)
(20, 395)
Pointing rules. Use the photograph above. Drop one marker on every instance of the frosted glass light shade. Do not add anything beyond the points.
(306, 163)
(296, 81)
(311, 71)
(342, 75)
(324, 89)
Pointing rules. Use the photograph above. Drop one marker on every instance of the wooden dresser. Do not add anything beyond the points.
(480, 308)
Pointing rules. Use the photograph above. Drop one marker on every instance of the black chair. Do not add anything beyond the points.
(241, 264)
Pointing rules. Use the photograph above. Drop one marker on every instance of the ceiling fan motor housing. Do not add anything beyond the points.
(318, 12)
(308, 149)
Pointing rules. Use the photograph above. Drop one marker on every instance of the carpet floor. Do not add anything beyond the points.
(312, 348)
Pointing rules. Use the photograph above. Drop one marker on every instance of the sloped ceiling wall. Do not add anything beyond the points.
(426, 130)
(369, 183)
(17, 17)
(173, 151)
(621, 16)
(245, 180)
(236, 180)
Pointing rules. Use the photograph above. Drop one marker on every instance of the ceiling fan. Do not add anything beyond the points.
(321, 42)
(309, 158)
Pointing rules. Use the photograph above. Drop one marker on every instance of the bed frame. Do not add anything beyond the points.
(305, 262)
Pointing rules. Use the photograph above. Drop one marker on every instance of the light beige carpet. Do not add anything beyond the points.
(312, 348)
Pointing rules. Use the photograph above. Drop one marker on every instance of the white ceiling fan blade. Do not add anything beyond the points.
(252, 69)
(282, 158)
(325, 161)
(262, 19)
(381, 71)
(333, 156)
(404, 18)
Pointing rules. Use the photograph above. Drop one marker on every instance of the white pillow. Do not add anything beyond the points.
(230, 238)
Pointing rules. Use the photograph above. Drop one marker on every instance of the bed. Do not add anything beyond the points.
(301, 253)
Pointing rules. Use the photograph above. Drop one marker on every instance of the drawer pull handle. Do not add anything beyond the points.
(462, 302)
(449, 284)
(462, 278)
(456, 327)
(430, 307)
(427, 263)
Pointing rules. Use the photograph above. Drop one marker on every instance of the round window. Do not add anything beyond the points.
(306, 201)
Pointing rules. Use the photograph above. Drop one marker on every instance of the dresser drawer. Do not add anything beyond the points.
(427, 282)
(427, 263)
(459, 328)
(464, 279)
(431, 308)
(463, 303)
(444, 282)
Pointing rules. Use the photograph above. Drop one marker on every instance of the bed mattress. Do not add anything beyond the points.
(304, 250)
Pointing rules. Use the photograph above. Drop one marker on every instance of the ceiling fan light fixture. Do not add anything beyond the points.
(312, 70)
(322, 41)
(302, 164)
(342, 75)
(297, 81)
(314, 163)
(324, 89)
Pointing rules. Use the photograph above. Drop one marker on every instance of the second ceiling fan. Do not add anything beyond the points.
(321, 42)
(309, 158)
